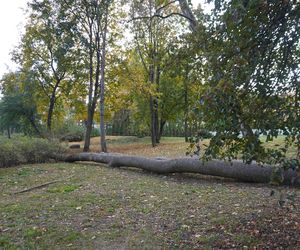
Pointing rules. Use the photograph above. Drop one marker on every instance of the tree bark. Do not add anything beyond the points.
(92, 95)
(89, 124)
(156, 103)
(161, 128)
(152, 122)
(152, 55)
(235, 169)
(152, 102)
(102, 87)
(186, 106)
(50, 110)
(156, 121)
(8, 132)
(90, 110)
(34, 125)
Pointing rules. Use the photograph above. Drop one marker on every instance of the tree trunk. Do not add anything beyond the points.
(50, 111)
(156, 121)
(102, 88)
(186, 130)
(152, 122)
(186, 107)
(52, 102)
(8, 132)
(90, 109)
(152, 103)
(89, 125)
(33, 124)
(297, 98)
(161, 127)
(235, 169)
(157, 82)
(152, 58)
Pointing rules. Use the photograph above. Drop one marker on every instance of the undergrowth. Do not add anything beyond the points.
(25, 150)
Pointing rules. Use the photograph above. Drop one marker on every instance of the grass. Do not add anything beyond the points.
(169, 146)
(93, 206)
(96, 207)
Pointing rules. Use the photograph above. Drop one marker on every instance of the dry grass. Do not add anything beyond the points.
(169, 146)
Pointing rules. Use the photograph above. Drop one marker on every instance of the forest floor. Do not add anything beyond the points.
(92, 206)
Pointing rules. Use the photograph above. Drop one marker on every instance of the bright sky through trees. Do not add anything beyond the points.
(11, 25)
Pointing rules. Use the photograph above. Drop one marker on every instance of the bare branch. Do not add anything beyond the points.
(162, 17)
(166, 5)
(171, 14)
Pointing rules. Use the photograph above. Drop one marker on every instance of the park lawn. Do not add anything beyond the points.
(169, 146)
(93, 206)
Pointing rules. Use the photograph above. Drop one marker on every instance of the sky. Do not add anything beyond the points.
(12, 20)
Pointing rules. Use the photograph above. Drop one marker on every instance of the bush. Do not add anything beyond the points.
(24, 150)
(72, 137)
(70, 131)
(95, 132)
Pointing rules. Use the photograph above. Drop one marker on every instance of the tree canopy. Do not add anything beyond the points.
(163, 67)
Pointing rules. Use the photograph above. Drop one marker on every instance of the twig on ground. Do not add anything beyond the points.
(40, 186)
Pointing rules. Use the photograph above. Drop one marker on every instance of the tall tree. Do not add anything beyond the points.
(252, 62)
(102, 75)
(47, 50)
(92, 19)
(153, 39)
(253, 66)
(18, 108)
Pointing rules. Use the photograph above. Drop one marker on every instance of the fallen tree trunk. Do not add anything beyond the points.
(235, 169)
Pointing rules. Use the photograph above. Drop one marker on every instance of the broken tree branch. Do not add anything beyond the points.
(40, 186)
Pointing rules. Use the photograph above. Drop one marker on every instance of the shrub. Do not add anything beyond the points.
(72, 137)
(70, 131)
(23, 150)
(95, 132)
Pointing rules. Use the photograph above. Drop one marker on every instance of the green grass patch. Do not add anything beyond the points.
(246, 240)
(63, 189)
(97, 207)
